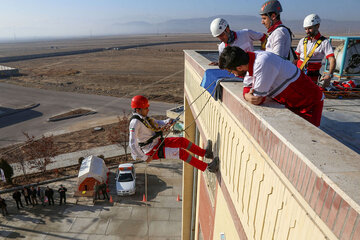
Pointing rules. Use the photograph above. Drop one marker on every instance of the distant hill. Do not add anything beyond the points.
(202, 25)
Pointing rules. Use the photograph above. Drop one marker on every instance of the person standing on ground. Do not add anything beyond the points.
(41, 195)
(96, 191)
(312, 49)
(146, 141)
(244, 38)
(103, 188)
(3, 207)
(280, 37)
(268, 75)
(62, 191)
(26, 192)
(49, 193)
(33, 196)
(17, 197)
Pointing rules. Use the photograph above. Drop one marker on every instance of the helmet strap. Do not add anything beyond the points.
(231, 37)
(271, 20)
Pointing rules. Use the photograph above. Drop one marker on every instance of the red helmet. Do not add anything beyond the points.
(139, 102)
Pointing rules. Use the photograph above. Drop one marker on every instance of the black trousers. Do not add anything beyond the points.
(61, 198)
(17, 203)
(51, 200)
(105, 194)
(27, 200)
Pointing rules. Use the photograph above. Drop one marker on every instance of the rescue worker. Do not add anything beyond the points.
(146, 137)
(268, 75)
(280, 37)
(220, 29)
(312, 49)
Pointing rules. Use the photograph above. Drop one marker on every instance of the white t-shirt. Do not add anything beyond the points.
(244, 40)
(324, 50)
(279, 42)
(271, 74)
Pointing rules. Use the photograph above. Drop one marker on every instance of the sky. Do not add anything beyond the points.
(62, 18)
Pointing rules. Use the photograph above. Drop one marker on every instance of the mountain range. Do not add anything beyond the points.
(237, 22)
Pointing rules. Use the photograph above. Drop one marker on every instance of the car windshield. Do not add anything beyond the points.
(125, 177)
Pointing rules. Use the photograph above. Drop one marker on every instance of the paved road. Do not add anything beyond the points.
(85, 51)
(34, 121)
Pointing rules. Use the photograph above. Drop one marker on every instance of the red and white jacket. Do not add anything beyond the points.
(269, 74)
(140, 133)
(323, 50)
(279, 40)
(244, 40)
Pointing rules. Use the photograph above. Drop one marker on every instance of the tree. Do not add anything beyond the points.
(8, 170)
(119, 134)
(41, 150)
(18, 158)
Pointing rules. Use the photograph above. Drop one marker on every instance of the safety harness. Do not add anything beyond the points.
(307, 57)
(150, 123)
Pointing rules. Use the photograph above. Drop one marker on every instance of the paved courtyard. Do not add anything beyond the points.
(125, 218)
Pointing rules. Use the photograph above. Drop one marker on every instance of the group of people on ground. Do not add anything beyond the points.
(44, 195)
(266, 73)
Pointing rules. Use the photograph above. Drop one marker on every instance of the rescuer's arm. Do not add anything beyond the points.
(327, 77)
(256, 100)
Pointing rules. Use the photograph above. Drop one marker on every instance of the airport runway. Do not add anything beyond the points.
(34, 121)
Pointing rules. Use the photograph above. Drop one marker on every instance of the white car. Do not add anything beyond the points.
(125, 179)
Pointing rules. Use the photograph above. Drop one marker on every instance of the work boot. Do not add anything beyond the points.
(213, 166)
(208, 149)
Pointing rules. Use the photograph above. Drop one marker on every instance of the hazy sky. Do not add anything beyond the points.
(40, 18)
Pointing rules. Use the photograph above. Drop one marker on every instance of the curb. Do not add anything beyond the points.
(68, 117)
(17, 110)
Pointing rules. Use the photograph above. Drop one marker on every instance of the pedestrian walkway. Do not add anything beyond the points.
(126, 218)
(69, 159)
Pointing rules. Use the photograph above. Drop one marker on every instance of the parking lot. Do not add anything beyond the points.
(158, 218)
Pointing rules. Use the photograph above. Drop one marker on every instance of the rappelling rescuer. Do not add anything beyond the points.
(147, 143)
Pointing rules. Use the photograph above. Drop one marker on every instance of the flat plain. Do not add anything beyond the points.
(155, 68)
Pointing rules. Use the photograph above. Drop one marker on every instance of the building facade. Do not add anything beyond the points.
(280, 177)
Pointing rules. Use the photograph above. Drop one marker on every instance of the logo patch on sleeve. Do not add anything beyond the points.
(132, 129)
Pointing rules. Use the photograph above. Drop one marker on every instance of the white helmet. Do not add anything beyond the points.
(218, 26)
(311, 20)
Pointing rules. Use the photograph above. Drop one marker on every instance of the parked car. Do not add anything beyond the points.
(125, 179)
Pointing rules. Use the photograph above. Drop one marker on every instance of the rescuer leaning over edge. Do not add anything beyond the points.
(268, 75)
(146, 141)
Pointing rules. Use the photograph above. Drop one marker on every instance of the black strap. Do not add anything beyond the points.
(150, 140)
(160, 151)
(292, 51)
